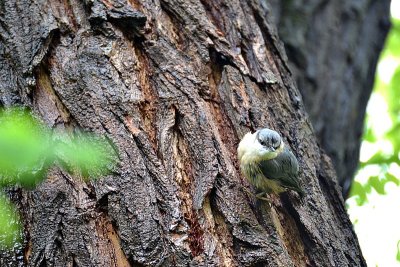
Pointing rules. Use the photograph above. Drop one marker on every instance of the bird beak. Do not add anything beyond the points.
(272, 149)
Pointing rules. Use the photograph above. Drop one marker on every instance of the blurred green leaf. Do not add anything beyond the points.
(379, 159)
(392, 47)
(393, 94)
(24, 148)
(369, 135)
(10, 225)
(398, 251)
(377, 184)
(86, 155)
(358, 191)
(391, 178)
(393, 136)
(28, 149)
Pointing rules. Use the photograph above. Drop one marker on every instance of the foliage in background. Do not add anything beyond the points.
(383, 142)
(28, 150)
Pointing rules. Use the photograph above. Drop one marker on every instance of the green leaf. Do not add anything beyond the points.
(24, 148)
(369, 135)
(86, 155)
(359, 192)
(10, 226)
(379, 159)
(392, 46)
(377, 184)
(28, 150)
(392, 178)
(393, 94)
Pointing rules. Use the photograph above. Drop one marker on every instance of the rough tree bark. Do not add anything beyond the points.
(333, 48)
(175, 84)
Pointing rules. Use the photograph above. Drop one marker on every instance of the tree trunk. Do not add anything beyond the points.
(333, 48)
(175, 84)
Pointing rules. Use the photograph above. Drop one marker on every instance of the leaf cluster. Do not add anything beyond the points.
(391, 93)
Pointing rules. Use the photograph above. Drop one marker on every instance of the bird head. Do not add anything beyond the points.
(264, 144)
(269, 140)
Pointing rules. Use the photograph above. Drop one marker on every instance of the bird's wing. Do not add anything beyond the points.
(283, 169)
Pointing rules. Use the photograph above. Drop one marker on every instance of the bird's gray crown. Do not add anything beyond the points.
(269, 138)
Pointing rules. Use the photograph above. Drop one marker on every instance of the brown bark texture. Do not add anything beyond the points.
(333, 49)
(175, 84)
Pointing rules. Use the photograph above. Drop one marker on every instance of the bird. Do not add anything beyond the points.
(268, 164)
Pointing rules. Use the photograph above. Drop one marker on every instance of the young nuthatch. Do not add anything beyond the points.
(267, 163)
